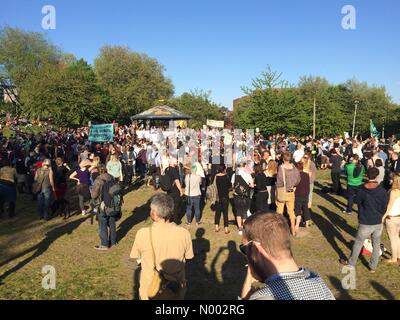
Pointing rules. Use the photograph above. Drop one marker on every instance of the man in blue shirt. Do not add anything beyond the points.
(382, 154)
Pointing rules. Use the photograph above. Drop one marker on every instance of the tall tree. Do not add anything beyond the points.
(134, 81)
(68, 94)
(22, 54)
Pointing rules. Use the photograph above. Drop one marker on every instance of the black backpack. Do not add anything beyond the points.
(241, 188)
(111, 199)
(165, 181)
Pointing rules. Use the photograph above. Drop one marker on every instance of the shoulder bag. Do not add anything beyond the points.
(281, 193)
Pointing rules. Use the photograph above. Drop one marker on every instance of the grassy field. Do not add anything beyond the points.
(216, 272)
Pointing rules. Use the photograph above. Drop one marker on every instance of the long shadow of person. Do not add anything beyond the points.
(41, 247)
(382, 290)
(233, 271)
(339, 222)
(340, 205)
(134, 186)
(201, 283)
(331, 233)
(138, 215)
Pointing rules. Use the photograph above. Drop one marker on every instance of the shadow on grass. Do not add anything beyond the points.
(340, 205)
(204, 284)
(138, 215)
(201, 283)
(330, 232)
(343, 293)
(385, 293)
(41, 247)
(134, 186)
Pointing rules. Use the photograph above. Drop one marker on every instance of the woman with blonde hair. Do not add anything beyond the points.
(114, 168)
(392, 217)
(94, 168)
(310, 168)
(271, 172)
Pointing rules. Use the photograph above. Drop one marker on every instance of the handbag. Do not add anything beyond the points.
(281, 193)
(160, 287)
(36, 187)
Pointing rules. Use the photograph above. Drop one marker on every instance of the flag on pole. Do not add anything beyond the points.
(374, 132)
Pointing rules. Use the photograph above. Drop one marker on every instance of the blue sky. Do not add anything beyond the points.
(220, 45)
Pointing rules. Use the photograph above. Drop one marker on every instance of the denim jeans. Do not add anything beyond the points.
(193, 202)
(352, 192)
(363, 233)
(107, 239)
(44, 203)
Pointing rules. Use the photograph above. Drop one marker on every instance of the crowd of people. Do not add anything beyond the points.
(265, 175)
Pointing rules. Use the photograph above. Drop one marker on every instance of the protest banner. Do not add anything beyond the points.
(101, 133)
(215, 123)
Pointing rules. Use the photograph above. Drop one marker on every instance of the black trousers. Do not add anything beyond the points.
(336, 186)
(178, 212)
(221, 206)
(262, 202)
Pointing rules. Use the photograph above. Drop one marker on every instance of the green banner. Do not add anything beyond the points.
(101, 133)
(374, 132)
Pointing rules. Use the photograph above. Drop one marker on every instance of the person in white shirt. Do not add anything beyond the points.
(392, 218)
(357, 149)
(299, 153)
(193, 195)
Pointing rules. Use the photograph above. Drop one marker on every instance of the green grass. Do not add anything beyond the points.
(27, 244)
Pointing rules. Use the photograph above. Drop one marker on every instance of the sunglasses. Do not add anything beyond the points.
(244, 248)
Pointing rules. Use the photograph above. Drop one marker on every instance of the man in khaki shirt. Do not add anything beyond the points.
(172, 246)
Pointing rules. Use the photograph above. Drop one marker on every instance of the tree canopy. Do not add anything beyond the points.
(274, 106)
(134, 81)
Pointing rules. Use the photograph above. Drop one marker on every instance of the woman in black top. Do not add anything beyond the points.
(261, 190)
(221, 206)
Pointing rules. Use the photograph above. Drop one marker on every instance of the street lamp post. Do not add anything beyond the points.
(356, 102)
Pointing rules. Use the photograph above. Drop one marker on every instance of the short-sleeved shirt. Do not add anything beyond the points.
(192, 185)
(172, 246)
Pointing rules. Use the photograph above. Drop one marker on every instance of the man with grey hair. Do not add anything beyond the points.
(163, 246)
